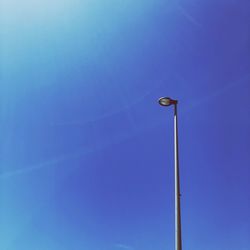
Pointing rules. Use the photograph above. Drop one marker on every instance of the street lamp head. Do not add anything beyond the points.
(166, 101)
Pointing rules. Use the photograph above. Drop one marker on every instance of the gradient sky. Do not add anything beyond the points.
(86, 152)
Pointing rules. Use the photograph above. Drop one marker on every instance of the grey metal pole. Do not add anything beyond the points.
(167, 101)
(178, 240)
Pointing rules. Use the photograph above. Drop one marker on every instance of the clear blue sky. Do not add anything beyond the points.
(87, 153)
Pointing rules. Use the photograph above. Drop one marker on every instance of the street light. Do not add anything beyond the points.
(166, 101)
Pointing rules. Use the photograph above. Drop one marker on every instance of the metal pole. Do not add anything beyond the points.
(178, 241)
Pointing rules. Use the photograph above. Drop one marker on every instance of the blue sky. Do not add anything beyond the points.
(86, 151)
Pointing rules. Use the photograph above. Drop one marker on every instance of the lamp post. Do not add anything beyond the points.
(166, 101)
